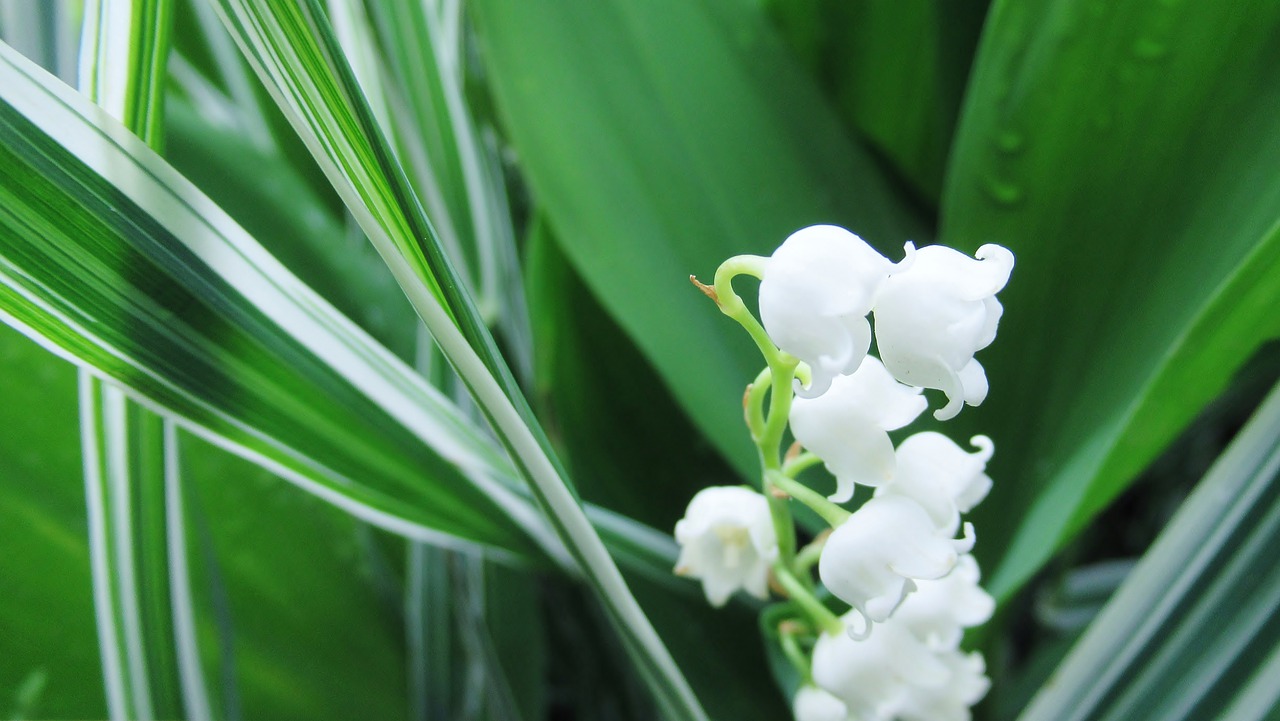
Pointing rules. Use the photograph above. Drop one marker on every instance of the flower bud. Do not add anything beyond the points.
(847, 427)
(932, 316)
(939, 475)
(817, 290)
(872, 560)
(727, 540)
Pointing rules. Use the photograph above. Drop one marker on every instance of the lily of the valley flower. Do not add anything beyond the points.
(727, 540)
(872, 561)
(814, 704)
(875, 677)
(939, 475)
(966, 684)
(847, 427)
(932, 316)
(937, 612)
(893, 675)
(817, 290)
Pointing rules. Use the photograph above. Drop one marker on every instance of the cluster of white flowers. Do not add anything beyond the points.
(912, 667)
(901, 559)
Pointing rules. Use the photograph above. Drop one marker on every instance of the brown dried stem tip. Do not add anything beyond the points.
(709, 291)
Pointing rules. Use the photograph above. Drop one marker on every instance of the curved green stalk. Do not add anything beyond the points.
(822, 617)
(830, 512)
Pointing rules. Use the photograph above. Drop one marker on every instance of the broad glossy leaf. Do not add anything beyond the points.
(47, 619)
(296, 593)
(1126, 152)
(894, 71)
(627, 441)
(662, 138)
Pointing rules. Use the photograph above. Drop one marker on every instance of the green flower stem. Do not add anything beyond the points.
(800, 464)
(783, 525)
(731, 304)
(768, 428)
(787, 638)
(830, 512)
(767, 442)
(783, 370)
(782, 365)
(823, 618)
(809, 555)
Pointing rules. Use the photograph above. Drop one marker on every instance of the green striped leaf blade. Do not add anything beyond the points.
(130, 454)
(294, 50)
(115, 262)
(1193, 631)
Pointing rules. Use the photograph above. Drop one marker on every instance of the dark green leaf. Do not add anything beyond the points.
(662, 138)
(1128, 159)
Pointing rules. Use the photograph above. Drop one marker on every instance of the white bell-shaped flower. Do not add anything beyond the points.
(847, 427)
(933, 315)
(939, 611)
(875, 677)
(814, 704)
(894, 675)
(939, 475)
(817, 290)
(872, 561)
(727, 540)
(965, 686)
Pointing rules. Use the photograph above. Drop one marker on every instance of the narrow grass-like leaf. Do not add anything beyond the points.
(46, 32)
(429, 634)
(276, 204)
(1193, 630)
(112, 260)
(292, 47)
(196, 694)
(123, 54)
(119, 487)
(486, 691)
(449, 161)
(347, 384)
